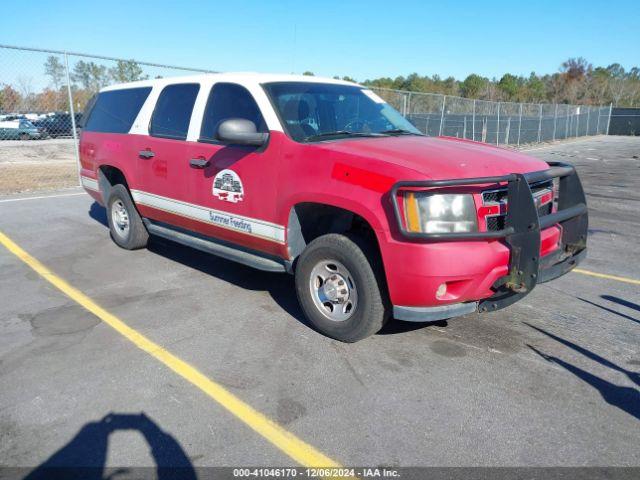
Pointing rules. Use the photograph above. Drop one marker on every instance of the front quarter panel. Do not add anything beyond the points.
(311, 173)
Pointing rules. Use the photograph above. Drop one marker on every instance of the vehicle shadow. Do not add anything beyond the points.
(226, 157)
(398, 326)
(625, 398)
(281, 287)
(620, 301)
(610, 310)
(85, 456)
(99, 214)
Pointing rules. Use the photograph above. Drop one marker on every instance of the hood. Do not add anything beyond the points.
(438, 158)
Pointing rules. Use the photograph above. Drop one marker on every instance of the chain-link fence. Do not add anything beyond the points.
(43, 94)
(498, 123)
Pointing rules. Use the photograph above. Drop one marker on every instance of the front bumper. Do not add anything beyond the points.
(441, 312)
(521, 235)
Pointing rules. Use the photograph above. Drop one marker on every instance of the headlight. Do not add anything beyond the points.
(440, 213)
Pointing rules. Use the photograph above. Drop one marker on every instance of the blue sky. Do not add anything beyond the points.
(360, 39)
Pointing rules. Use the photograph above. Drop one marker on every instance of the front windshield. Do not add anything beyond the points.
(325, 111)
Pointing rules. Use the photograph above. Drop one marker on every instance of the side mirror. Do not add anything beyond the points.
(239, 131)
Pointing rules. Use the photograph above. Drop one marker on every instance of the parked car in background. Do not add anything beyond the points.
(58, 124)
(12, 116)
(18, 130)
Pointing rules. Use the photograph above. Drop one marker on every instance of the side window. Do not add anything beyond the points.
(173, 111)
(116, 110)
(229, 100)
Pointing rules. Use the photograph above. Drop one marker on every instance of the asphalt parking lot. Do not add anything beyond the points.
(551, 381)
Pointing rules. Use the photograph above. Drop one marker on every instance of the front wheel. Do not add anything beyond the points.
(340, 287)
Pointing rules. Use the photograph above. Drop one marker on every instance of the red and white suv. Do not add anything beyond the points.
(323, 179)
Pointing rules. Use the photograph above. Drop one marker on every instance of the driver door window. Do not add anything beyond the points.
(229, 100)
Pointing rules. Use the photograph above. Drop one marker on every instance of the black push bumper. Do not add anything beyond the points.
(521, 232)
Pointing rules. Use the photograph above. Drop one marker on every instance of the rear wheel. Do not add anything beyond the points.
(125, 223)
(340, 286)
(24, 136)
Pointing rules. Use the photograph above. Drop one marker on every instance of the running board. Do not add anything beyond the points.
(234, 254)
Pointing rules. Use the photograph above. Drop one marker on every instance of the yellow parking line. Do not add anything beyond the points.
(609, 277)
(297, 449)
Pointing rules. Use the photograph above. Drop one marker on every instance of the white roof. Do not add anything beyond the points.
(243, 78)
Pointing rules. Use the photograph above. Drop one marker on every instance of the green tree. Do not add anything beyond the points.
(536, 89)
(54, 69)
(127, 71)
(415, 83)
(473, 86)
(90, 76)
(509, 86)
(308, 73)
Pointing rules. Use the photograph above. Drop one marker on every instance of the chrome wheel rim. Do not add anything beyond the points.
(120, 219)
(333, 290)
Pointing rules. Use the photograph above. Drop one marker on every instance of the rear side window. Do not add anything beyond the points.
(173, 111)
(116, 110)
(229, 100)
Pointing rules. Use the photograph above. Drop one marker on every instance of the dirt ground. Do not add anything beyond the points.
(37, 165)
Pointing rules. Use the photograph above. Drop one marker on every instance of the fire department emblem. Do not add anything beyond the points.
(227, 186)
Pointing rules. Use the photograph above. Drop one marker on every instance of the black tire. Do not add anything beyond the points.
(362, 260)
(136, 235)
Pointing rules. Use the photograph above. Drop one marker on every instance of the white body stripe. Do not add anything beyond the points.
(89, 183)
(219, 218)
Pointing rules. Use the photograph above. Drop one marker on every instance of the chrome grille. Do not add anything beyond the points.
(499, 197)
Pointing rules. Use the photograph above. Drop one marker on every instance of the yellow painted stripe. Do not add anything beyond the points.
(300, 451)
(607, 276)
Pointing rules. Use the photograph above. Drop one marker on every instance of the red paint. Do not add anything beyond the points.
(362, 178)
(351, 174)
(546, 198)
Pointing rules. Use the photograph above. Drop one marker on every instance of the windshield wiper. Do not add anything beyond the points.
(338, 133)
(399, 131)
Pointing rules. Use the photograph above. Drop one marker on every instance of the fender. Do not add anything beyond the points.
(333, 201)
(296, 244)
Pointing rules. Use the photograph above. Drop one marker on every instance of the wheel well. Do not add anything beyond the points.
(109, 176)
(113, 175)
(308, 221)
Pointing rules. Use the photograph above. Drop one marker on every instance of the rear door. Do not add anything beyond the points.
(163, 155)
(202, 185)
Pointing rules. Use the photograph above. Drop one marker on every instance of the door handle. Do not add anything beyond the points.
(146, 154)
(199, 163)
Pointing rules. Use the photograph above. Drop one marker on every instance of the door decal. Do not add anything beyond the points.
(227, 186)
